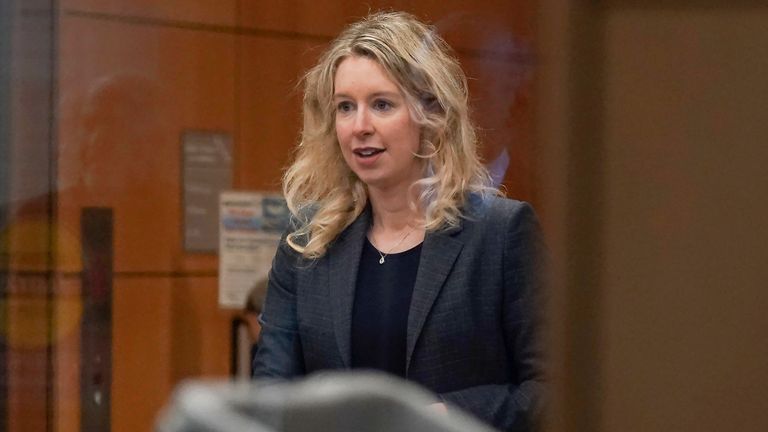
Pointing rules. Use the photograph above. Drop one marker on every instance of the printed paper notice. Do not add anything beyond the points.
(250, 225)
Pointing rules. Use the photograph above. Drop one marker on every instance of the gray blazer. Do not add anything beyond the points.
(471, 325)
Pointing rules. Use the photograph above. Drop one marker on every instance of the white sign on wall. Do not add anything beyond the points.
(250, 225)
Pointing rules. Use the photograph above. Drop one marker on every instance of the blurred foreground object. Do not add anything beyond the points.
(329, 402)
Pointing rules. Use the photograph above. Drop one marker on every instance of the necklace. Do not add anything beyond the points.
(384, 255)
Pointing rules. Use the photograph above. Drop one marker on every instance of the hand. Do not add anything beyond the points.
(439, 407)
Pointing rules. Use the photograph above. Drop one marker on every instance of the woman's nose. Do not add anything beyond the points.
(362, 123)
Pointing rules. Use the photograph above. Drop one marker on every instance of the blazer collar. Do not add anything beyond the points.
(438, 255)
(344, 260)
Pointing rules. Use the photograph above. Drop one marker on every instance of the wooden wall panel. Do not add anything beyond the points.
(200, 342)
(26, 332)
(309, 17)
(128, 91)
(217, 12)
(270, 107)
(164, 330)
(142, 343)
(68, 311)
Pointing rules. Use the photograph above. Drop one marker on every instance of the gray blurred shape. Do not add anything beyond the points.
(334, 401)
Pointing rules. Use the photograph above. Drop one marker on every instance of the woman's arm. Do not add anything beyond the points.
(279, 354)
(512, 406)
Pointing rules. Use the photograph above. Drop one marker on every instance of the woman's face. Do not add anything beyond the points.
(377, 135)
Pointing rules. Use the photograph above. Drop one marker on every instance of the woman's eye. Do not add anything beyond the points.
(382, 105)
(344, 107)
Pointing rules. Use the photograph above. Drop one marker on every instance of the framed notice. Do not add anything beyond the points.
(206, 171)
(250, 225)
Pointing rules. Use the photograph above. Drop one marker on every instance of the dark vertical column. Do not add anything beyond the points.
(96, 329)
(51, 8)
(27, 198)
(570, 116)
(584, 246)
(6, 24)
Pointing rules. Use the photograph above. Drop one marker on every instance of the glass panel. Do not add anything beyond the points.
(102, 309)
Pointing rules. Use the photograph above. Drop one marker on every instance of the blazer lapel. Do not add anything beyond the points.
(438, 254)
(343, 260)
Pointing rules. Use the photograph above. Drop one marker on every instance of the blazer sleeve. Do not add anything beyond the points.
(279, 353)
(511, 406)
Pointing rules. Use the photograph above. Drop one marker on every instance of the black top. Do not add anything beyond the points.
(380, 312)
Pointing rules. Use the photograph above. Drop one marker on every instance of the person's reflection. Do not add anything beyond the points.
(500, 72)
(120, 137)
(110, 139)
(117, 153)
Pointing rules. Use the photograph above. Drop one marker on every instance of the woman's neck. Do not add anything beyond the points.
(392, 211)
(396, 225)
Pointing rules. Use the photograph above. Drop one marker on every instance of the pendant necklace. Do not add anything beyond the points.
(384, 255)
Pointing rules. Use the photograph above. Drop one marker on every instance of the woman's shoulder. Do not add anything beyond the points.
(496, 207)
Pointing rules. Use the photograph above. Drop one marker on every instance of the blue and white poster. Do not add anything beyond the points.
(250, 225)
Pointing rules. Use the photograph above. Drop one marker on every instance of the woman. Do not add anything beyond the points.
(401, 258)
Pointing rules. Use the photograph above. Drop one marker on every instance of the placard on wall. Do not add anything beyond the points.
(206, 171)
(250, 227)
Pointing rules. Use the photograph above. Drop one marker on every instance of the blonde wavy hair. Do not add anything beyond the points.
(323, 193)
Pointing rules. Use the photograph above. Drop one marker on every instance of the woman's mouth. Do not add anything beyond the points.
(367, 152)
